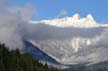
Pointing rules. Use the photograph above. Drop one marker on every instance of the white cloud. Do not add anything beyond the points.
(25, 12)
(62, 13)
(53, 38)
(71, 44)
(10, 19)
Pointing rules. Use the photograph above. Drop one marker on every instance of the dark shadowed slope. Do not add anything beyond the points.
(36, 52)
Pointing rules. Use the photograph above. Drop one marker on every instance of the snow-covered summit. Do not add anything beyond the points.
(76, 16)
(71, 40)
(74, 21)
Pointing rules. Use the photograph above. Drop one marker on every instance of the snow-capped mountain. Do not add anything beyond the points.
(74, 21)
(71, 40)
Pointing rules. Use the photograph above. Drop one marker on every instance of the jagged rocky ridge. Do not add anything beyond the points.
(72, 40)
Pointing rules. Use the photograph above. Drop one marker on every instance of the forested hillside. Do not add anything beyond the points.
(15, 61)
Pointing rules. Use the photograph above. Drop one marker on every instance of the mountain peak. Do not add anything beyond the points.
(90, 17)
(76, 16)
(74, 21)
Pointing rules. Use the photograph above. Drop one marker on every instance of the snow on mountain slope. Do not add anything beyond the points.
(71, 40)
(75, 21)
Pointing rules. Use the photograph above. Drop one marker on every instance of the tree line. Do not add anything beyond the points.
(15, 61)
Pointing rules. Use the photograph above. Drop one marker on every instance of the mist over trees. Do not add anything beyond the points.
(15, 61)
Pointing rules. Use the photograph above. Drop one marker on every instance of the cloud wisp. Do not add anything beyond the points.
(10, 19)
(62, 13)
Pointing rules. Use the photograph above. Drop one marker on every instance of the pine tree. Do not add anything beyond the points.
(14, 61)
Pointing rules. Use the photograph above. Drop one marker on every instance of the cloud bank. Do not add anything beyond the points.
(10, 19)
(71, 40)
(68, 40)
